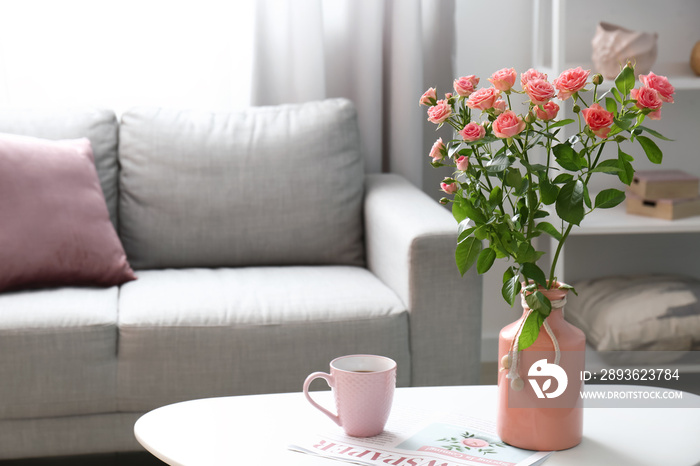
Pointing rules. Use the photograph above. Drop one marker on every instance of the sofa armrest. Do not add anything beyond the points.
(410, 242)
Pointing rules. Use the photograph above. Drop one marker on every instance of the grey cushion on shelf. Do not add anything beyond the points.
(264, 186)
(643, 313)
(192, 333)
(58, 352)
(98, 125)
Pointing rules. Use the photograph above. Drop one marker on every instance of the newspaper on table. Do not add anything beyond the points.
(421, 439)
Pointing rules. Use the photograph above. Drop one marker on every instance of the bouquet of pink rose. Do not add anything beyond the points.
(500, 193)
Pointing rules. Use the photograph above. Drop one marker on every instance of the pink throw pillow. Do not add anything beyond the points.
(54, 224)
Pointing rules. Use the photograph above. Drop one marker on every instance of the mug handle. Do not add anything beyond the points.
(329, 380)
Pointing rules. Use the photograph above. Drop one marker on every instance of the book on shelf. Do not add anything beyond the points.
(665, 194)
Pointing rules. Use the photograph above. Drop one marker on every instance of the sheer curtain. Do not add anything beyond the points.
(223, 55)
(382, 54)
(70, 53)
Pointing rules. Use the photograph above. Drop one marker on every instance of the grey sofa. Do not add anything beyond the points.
(262, 251)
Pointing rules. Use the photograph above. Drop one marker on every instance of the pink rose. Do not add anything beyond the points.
(647, 97)
(439, 112)
(428, 97)
(504, 79)
(483, 99)
(472, 132)
(660, 84)
(438, 151)
(475, 442)
(462, 163)
(530, 75)
(598, 119)
(449, 188)
(499, 106)
(465, 85)
(570, 81)
(508, 124)
(549, 113)
(540, 91)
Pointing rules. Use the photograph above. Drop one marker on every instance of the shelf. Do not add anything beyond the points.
(679, 74)
(616, 221)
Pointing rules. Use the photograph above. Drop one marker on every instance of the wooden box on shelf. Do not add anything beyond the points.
(668, 209)
(664, 184)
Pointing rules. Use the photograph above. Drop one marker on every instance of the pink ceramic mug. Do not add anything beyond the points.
(363, 387)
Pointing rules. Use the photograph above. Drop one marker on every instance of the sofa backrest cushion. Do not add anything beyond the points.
(98, 125)
(264, 186)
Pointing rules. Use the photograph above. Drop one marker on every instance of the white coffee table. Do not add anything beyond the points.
(256, 429)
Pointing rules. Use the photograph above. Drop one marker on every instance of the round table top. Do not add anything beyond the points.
(257, 429)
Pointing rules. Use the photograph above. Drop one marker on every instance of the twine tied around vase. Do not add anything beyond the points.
(516, 383)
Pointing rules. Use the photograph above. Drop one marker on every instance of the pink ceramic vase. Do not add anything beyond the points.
(526, 420)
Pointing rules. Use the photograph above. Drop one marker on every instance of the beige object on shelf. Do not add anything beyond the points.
(667, 209)
(664, 184)
(614, 45)
(695, 58)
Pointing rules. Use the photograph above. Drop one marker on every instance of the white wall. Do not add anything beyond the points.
(496, 34)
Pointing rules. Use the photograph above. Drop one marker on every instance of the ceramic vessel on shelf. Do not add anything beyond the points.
(614, 45)
(695, 58)
(538, 407)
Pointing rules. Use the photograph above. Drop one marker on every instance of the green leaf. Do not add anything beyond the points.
(624, 81)
(498, 164)
(561, 123)
(611, 166)
(564, 286)
(587, 197)
(617, 95)
(466, 253)
(610, 105)
(609, 198)
(567, 157)
(527, 253)
(550, 230)
(654, 133)
(534, 167)
(496, 195)
(569, 203)
(513, 178)
(653, 152)
(626, 121)
(464, 226)
(463, 209)
(485, 260)
(511, 287)
(537, 301)
(548, 191)
(530, 331)
(458, 212)
(627, 173)
(532, 271)
(563, 178)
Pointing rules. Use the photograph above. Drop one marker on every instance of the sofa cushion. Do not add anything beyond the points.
(56, 228)
(58, 351)
(99, 126)
(193, 333)
(264, 186)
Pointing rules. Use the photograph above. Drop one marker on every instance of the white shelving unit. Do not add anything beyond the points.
(679, 73)
(604, 221)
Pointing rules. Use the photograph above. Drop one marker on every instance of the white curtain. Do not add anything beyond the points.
(73, 53)
(381, 54)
